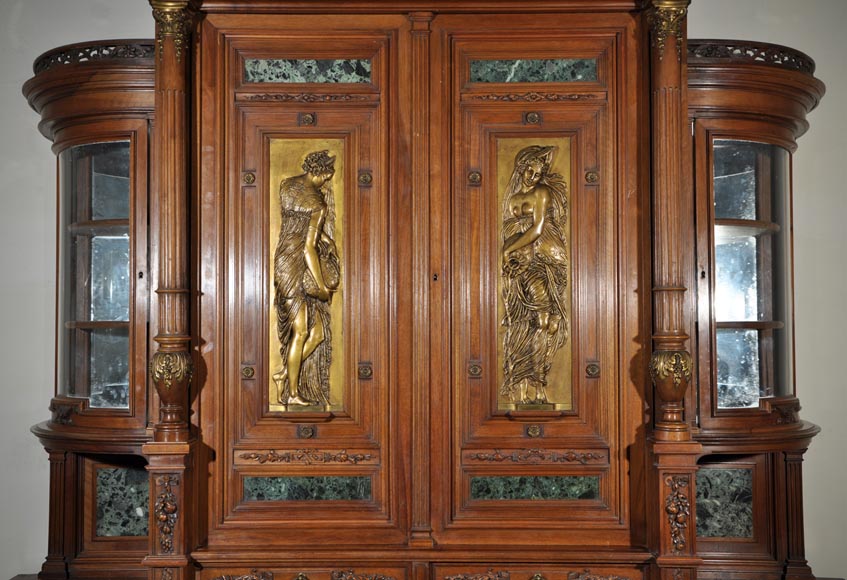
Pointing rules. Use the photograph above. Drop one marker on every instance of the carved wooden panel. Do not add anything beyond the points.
(540, 572)
(307, 378)
(536, 214)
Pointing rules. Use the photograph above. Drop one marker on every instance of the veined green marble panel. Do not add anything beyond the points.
(122, 497)
(318, 488)
(306, 70)
(724, 503)
(558, 487)
(542, 70)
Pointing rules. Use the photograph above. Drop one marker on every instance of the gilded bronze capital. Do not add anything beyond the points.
(666, 18)
(173, 18)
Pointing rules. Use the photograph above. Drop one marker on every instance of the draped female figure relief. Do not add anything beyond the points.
(535, 274)
(306, 274)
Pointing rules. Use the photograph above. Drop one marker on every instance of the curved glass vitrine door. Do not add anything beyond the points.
(94, 274)
(752, 272)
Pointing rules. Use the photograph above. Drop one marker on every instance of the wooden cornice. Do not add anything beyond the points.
(405, 6)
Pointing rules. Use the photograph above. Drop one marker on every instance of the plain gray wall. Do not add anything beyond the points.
(27, 251)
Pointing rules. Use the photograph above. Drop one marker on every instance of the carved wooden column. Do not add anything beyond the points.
(170, 454)
(421, 535)
(171, 366)
(670, 365)
(673, 453)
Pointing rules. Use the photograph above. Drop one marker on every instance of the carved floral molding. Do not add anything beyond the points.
(307, 457)
(539, 455)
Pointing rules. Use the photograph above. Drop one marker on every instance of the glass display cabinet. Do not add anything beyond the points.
(96, 101)
(744, 133)
(463, 294)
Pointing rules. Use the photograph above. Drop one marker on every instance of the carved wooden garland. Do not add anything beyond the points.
(167, 512)
(678, 509)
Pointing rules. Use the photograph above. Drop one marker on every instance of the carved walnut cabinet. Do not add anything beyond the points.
(424, 289)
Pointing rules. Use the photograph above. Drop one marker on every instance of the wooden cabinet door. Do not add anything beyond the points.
(306, 405)
(539, 406)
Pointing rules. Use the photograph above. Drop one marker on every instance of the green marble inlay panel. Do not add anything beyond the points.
(535, 487)
(724, 503)
(318, 488)
(289, 70)
(122, 497)
(546, 70)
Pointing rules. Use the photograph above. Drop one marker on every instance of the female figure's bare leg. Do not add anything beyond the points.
(299, 334)
(316, 337)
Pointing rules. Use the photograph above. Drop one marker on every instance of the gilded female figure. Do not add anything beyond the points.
(306, 273)
(535, 274)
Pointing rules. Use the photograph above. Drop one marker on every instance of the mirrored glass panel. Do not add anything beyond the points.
(110, 278)
(735, 179)
(109, 363)
(736, 279)
(739, 378)
(752, 272)
(94, 273)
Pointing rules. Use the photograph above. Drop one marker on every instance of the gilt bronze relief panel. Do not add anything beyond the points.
(534, 286)
(305, 333)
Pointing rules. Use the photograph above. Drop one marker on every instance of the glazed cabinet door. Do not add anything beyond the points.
(541, 286)
(306, 408)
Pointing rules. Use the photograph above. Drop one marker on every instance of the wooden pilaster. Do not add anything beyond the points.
(62, 505)
(421, 535)
(672, 492)
(171, 453)
(674, 455)
(171, 366)
(671, 364)
(170, 470)
(797, 567)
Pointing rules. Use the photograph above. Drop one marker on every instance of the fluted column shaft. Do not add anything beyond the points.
(670, 365)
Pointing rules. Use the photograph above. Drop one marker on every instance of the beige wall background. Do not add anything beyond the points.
(27, 251)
